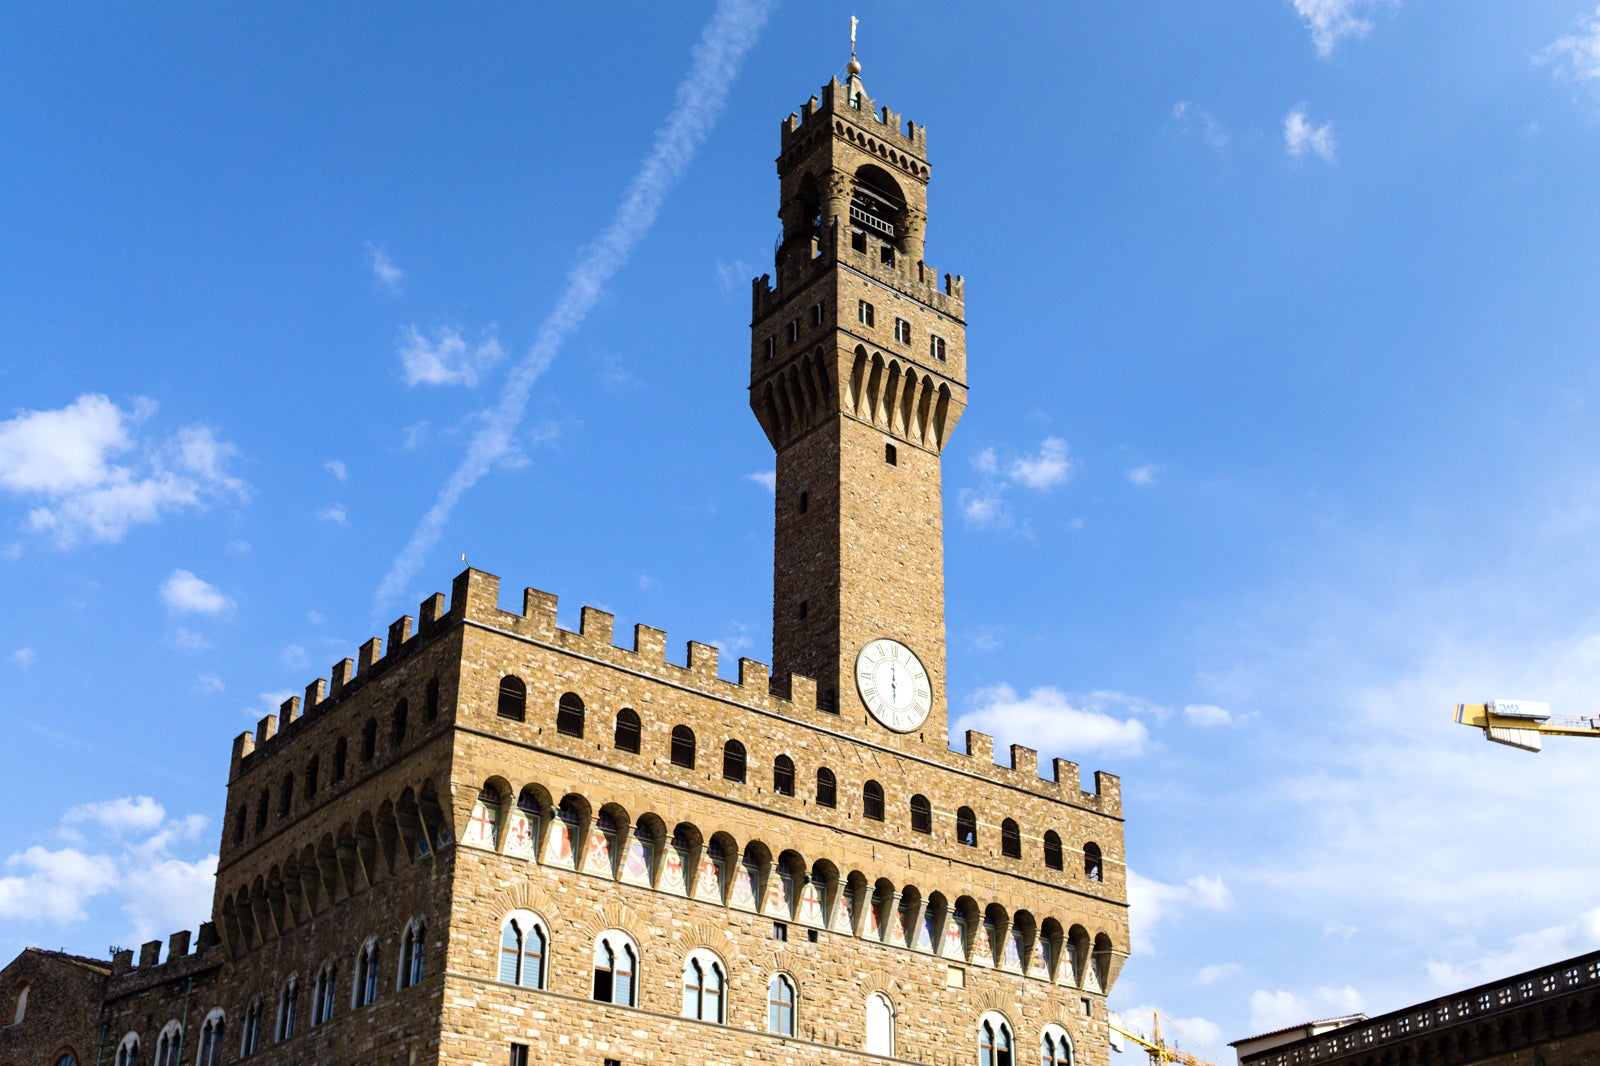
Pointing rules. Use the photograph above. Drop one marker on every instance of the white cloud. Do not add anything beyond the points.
(446, 359)
(334, 513)
(270, 703)
(1052, 721)
(65, 459)
(1279, 1009)
(23, 657)
(1217, 972)
(734, 277)
(337, 468)
(1332, 927)
(1300, 136)
(1206, 715)
(293, 657)
(384, 271)
(1524, 951)
(983, 507)
(1332, 21)
(767, 479)
(1049, 468)
(209, 683)
(1146, 475)
(238, 547)
(128, 814)
(1152, 903)
(122, 853)
(1197, 120)
(648, 583)
(1576, 56)
(184, 593)
(186, 640)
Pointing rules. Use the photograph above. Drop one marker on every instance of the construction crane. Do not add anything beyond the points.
(1523, 723)
(1160, 1051)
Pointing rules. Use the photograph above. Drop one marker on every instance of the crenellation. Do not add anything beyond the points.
(755, 679)
(289, 711)
(367, 657)
(149, 954)
(429, 614)
(1065, 774)
(650, 646)
(178, 944)
(316, 695)
(980, 746)
(121, 961)
(702, 662)
(596, 626)
(339, 678)
(1025, 760)
(266, 729)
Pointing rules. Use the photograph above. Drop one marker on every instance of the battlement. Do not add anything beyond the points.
(918, 280)
(848, 100)
(180, 961)
(474, 600)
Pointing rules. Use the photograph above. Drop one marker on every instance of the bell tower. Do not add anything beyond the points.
(858, 376)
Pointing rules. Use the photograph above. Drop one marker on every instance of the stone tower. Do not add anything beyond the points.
(858, 377)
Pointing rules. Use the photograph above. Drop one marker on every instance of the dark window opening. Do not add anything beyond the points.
(827, 788)
(519, 1055)
(817, 313)
(341, 752)
(261, 811)
(805, 500)
(1052, 849)
(794, 331)
(733, 761)
(780, 931)
(802, 609)
(858, 241)
(872, 801)
(513, 702)
(769, 347)
(1092, 867)
(828, 702)
(921, 815)
(1010, 839)
(402, 710)
(369, 740)
(890, 455)
(683, 746)
(238, 826)
(286, 796)
(936, 348)
(627, 731)
(865, 312)
(783, 775)
(886, 254)
(966, 827)
(902, 331)
(430, 704)
(569, 715)
(312, 768)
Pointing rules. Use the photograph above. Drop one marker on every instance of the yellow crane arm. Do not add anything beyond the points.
(1521, 724)
(1161, 1053)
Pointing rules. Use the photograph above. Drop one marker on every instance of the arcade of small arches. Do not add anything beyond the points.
(365, 851)
(682, 861)
(683, 751)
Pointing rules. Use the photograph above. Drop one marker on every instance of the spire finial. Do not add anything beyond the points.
(855, 64)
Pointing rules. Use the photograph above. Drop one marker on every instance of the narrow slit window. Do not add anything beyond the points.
(891, 455)
(794, 331)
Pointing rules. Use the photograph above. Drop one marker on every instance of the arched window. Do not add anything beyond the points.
(238, 824)
(704, 987)
(251, 1038)
(261, 811)
(413, 953)
(312, 768)
(733, 761)
(921, 814)
(1055, 1047)
(994, 1040)
(523, 944)
(1093, 869)
(966, 827)
(288, 1010)
(627, 730)
(369, 740)
(397, 731)
(880, 1025)
(22, 1005)
(67, 1059)
(783, 775)
(827, 788)
(167, 1044)
(683, 746)
(1010, 839)
(430, 700)
(616, 962)
(569, 715)
(286, 796)
(341, 755)
(780, 1005)
(209, 1052)
(513, 703)
(1052, 849)
(128, 1050)
(323, 1000)
(872, 801)
(366, 986)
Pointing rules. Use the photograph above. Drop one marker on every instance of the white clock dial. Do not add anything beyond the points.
(893, 684)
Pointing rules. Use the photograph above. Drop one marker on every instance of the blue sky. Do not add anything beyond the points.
(1282, 434)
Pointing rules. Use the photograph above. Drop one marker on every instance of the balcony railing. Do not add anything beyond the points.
(871, 221)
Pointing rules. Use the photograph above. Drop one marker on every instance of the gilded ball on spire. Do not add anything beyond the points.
(854, 66)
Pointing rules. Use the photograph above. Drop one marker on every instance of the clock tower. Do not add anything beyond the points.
(858, 377)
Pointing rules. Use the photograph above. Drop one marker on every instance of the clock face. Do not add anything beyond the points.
(893, 684)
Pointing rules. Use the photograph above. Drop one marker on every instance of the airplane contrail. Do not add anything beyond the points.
(701, 96)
